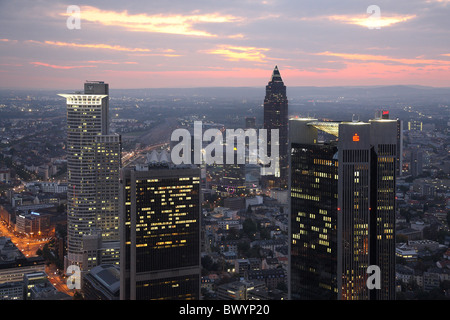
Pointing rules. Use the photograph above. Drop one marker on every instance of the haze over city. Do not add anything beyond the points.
(210, 153)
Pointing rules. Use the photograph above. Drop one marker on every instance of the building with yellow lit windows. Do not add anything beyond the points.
(160, 231)
(342, 208)
(93, 170)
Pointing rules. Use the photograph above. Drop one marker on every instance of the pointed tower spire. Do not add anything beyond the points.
(276, 76)
(276, 117)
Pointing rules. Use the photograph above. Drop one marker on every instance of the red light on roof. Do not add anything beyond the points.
(356, 137)
(385, 112)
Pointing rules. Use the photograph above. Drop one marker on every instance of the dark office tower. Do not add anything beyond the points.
(399, 147)
(250, 123)
(384, 114)
(93, 164)
(276, 117)
(314, 173)
(367, 170)
(361, 208)
(384, 141)
(160, 232)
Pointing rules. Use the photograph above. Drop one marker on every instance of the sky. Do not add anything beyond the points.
(48, 44)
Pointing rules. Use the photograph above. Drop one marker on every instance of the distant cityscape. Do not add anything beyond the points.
(93, 208)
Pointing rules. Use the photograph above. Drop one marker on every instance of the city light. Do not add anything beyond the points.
(236, 155)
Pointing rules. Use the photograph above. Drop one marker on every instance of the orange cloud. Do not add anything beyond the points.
(237, 53)
(162, 52)
(111, 62)
(58, 67)
(365, 20)
(93, 46)
(368, 22)
(158, 23)
(237, 36)
(8, 40)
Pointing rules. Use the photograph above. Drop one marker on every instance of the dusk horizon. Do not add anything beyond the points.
(151, 45)
(220, 158)
(228, 87)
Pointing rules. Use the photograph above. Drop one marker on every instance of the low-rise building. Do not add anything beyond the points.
(102, 283)
(271, 277)
(14, 265)
(404, 274)
(33, 224)
(431, 281)
(406, 252)
(11, 290)
(420, 245)
(411, 234)
(238, 290)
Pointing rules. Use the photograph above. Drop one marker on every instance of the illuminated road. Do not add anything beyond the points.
(134, 156)
(59, 282)
(28, 246)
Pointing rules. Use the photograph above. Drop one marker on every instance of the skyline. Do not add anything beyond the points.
(212, 44)
(242, 217)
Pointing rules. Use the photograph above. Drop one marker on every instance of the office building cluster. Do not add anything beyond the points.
(156, 230)
(146, 219)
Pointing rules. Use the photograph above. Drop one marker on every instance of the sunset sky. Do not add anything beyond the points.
(193, 43)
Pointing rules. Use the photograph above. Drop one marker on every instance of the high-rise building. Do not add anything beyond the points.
(93, 169)
(416, 162)
(229, 178)
(399, 147)
(314, 206)
(415, 125)
(342, 209)
(160, 231)
(276, 117)
(108, 161)
(384, 114)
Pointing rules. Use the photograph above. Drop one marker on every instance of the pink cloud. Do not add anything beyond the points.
(58, 66)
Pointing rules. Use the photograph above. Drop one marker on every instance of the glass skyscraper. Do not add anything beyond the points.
(314, 238)
(342, 209)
